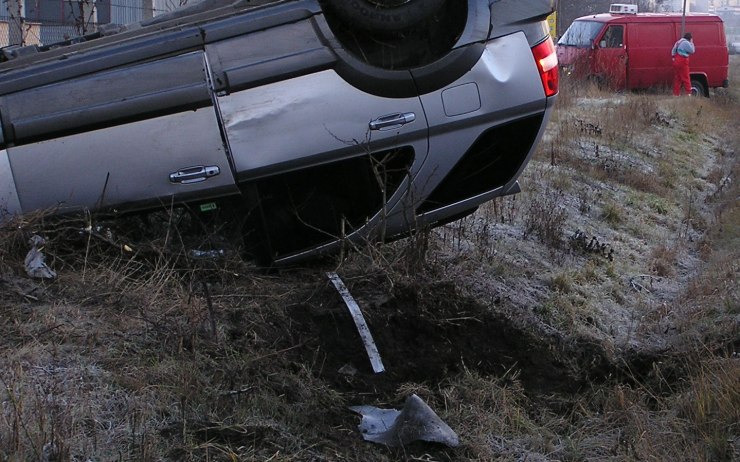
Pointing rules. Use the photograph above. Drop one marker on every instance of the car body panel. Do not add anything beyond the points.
(106, 98)
(513, 90)
(160, 37)
(511, 16)
(127, 163)
(62, 63)
(267, 56)
(268, 103)
(314, 111)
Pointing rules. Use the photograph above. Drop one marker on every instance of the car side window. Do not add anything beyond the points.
(613, 38)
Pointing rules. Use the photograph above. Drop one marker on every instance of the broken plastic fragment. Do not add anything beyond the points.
(207, 254)
(35, 265)
(348, 370)
(416, 421)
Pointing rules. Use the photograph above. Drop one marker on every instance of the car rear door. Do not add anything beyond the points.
(139, 135)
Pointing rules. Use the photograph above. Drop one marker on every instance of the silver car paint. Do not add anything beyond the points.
(312, 119)
(109, 96)
(121, 164)
(107, 163)
(9, 204)
(514, 90)
(512, 187)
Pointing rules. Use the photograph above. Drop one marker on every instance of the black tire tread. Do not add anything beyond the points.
(366, 15)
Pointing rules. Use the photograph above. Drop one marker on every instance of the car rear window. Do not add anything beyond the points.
(581, 34)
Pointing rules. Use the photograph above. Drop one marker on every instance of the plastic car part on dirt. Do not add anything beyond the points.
(415, 422)
(385, 15)
(35, 262)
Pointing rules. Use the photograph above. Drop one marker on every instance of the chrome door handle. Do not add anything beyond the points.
(196, 174)
(388, 122)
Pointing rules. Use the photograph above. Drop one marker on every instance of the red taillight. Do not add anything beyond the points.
(547, 63)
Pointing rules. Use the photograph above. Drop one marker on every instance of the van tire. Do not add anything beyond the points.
(698, 88)
(371, 15)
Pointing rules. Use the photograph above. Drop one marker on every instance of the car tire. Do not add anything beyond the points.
(698, 88)
(385, 15)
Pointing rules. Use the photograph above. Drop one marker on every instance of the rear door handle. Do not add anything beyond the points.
(392, 121)
(195, 174)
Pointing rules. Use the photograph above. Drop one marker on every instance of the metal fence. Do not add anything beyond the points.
(16, 30)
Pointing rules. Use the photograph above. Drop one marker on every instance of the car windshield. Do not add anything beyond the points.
(581, 34)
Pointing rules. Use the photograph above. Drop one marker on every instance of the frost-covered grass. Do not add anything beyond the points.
(593, 317)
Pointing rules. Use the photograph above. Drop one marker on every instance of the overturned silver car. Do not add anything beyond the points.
(312, 121)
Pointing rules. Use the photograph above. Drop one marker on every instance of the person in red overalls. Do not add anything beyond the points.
(681, 52)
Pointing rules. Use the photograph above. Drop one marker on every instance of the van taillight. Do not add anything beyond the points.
(547, 63)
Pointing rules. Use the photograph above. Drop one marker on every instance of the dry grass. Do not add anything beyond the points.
(545, 218)
(530, 349)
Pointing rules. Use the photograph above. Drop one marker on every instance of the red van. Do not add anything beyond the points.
(633, 50)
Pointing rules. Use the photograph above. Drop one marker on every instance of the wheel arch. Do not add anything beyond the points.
(423, 78)
(702, 80)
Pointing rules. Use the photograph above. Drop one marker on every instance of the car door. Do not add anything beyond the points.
(284, 108)
(135, 136)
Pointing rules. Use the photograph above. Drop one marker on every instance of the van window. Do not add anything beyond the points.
(613, 38)
(581, 34)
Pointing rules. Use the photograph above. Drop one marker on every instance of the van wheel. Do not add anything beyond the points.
(698, 88)
(385, 15)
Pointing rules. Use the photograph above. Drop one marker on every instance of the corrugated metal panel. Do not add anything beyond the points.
(163, 6)
(54, 33)
(128, 11)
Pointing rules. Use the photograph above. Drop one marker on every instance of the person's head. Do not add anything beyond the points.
(688, 36)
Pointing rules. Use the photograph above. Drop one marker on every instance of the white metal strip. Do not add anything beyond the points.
(362, 328)
(9, 202)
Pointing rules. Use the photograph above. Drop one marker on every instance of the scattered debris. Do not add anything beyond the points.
(35, 264)
(588, 127)
(240, 391)
(416, 421)
(362, 328)
(105, 234)
(661, 118)
(639, 286)
(207, 254)
(348, 370)
(580, 241)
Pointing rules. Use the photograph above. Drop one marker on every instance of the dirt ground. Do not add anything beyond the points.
(530, 339)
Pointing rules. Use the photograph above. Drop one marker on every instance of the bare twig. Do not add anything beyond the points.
(211, 314)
